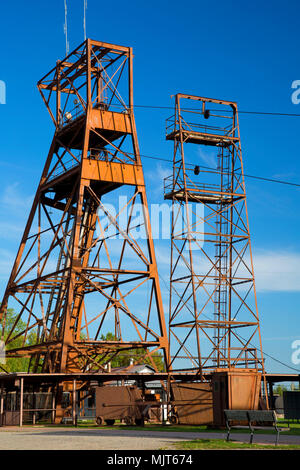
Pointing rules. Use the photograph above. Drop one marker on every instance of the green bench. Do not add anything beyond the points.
(253, 419)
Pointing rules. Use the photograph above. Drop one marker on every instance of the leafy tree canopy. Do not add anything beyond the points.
(17, 364)
(137, 355)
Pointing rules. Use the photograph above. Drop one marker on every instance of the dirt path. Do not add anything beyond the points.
(102, 439)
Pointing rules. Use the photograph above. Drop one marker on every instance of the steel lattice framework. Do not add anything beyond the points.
(213, 321)
(86, 264)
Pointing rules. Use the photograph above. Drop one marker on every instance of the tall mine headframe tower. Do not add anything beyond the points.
(214, 322)
(84, 284)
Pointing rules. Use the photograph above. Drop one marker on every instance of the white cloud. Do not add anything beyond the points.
(208, 157)
(282, 338)
(7, 259)
(277, 271)
(274, 271)
(11, 230)
(156, 177)
(12, 199)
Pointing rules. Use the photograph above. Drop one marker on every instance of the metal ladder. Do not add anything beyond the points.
(221, 261)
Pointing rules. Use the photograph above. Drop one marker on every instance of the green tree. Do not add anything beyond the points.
(124, 357)
(17, 364)
(279, 390)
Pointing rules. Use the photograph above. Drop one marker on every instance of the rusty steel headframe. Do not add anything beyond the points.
(81, 270)
(213, 319)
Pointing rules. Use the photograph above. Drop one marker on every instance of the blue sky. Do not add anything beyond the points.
(244, 52)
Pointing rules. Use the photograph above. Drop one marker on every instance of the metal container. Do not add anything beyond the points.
(291, 404)
(10, 418)
(237, 389)
(192, 403)
(119, 402)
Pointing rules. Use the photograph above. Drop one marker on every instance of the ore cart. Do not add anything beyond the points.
(120, 402)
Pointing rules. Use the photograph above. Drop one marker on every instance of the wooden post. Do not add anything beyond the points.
(74, 404)
(1, 400)
(21, 401)
(1, 406)
(53, 405)
(271, 395)
(33, 406)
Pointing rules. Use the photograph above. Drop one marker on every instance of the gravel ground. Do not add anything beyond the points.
(100, 439)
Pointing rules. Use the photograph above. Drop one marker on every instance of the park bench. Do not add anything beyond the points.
(254, 419)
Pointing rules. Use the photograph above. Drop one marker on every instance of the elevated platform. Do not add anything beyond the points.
(110, 125)
(11, 380)
(186, 376)
(201, 194)
(205, 193)
(275, 378)
(204, 138)
(105, 176)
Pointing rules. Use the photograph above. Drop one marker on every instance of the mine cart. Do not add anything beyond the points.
(120, 402)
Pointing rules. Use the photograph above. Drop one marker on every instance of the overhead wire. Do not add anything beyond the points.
(263, 178)
(270, 180)
(262, 113)
(251, 344)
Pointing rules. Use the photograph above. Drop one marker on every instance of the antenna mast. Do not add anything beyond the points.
(84, 17)
(66, 27)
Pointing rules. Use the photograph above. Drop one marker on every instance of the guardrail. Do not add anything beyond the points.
(173, 124)
(171, 185)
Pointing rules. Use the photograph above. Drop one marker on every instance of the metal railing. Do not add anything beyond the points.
(72, 114)
(171, 185)
(68, 165)
(172, 125)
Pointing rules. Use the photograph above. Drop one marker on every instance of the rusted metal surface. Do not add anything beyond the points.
(10, 418)
(235, 390)
(68, 261)
(123, 402)
(58, 278)
(192, 403)
(213, 315)
(155, 414)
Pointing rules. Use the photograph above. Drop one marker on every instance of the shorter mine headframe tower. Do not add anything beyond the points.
(86, 264)
(213, 320)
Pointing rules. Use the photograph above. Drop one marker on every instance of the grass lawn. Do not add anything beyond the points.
(220, 444)
(292, 429)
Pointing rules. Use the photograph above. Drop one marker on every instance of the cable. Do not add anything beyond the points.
(282, 363)
(273, 180)
(251, 344)
(263, 113)
(271, 357)
(270, 180)
(269, 113)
